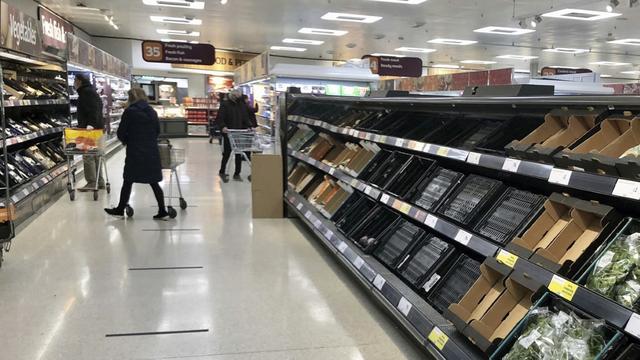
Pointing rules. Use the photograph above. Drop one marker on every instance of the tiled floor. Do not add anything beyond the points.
(265, 290)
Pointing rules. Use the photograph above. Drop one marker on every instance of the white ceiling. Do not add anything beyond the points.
(255, 25)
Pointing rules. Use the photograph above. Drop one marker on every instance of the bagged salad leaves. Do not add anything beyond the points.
(617, 273)
(554, 335)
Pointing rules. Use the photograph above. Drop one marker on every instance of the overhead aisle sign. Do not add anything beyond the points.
(178, 53)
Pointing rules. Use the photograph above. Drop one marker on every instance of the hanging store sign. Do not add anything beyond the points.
(395, 66)
(54, 31)
(19, 31)
(227, 61)
(178, 53)
(550, 71)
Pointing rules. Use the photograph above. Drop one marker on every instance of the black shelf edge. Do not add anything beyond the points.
(569, 179)
(589, 301)
(419, 318)
(35, 184)
(17, 103)
(15, 140)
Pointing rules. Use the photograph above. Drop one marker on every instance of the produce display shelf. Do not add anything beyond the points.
(31, 136)
(427, 326)
(37, 183)
(567, 179)
(35, 102)
(589, 301)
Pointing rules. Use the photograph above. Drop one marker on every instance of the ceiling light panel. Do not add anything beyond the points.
(579, 14)
(634, 72)
(176, 20)
(178, 32)
(567, 50)
(452, 42)
(315, 31)
(196, 5)
(415, 50)
(334, 16)
(174, 40)
(605, 76)
(635, 42)
(389, 55)
(302, 41)
(477, 62)
(445, 66)
(500, 30)
(288, 48)
(609, 63)
(516, 57)
(406, 2)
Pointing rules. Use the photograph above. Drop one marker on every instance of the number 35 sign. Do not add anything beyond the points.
(178, 53)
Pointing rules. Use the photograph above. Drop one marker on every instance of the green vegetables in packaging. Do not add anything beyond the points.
(558, 335)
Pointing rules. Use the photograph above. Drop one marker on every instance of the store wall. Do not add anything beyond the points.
(31, 8)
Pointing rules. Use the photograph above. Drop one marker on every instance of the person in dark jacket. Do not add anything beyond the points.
(138, 131)
(89, 116)
(234, 114)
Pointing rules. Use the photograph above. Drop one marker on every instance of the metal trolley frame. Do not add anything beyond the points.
(71, 150)
(170, 159)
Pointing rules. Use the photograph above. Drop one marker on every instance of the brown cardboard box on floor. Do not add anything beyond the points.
(267, 186)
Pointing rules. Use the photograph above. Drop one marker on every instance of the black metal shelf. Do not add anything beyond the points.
(570, 180)
(31, 136)
(35, 102)
(589, 301)
(419, 318)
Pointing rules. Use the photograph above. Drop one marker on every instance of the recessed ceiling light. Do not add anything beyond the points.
(176, 20)
(351, 17)
(389, 55)
(579, 14)
(605, 76)
(288, 48)
(328, 32)
(302, 41)
(174, 40)
(563, 67)
(500, 30)
(516, 57)
(521, 71)
(452, 41)
(178, 32)
(415, 50)
(445, 66)
(406, 2)
(478, 62)
(609, 63)
(567, 50)
(634, 72)
(189, 4)
(635, 42)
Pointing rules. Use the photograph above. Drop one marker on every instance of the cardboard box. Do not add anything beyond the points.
(267, 186)
(554, 122)
(576, 127)
(8, 214)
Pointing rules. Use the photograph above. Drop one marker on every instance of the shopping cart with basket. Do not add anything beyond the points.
(85, 142)
(243, 142)
(170, 159)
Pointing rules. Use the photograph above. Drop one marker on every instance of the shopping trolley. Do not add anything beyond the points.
(246, 141)
(170, 159)
(84, 142)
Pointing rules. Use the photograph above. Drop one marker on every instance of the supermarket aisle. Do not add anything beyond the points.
(261, 288)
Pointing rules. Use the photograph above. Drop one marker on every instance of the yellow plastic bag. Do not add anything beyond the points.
(83, 140)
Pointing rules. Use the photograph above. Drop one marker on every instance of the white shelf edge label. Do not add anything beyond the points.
(463, 237)
(328, 234)
(379, 282)
(299, 206)
(358, 263)
(560, 176)
(431, 221)
(511, 165)
(628, 189)
(342, 247)
(474, 158)
(399, 142)
(404, 306)
(368, 189)
(633, 326)
(427, 148)
(384, 199)
(332, 171)
(308, 215)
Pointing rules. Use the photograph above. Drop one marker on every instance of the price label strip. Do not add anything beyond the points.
(507, 258)
(438, 338)
(385, 198)
(358, 263)
(633, 326)
(463, 237)
(474, 158)
(342, 247)
(431, 221)
(560, 176)
(405, 208)
(443, 151)
(628, 189)
(511, 165)
(404, 306)
(379, 282)
(563, 288)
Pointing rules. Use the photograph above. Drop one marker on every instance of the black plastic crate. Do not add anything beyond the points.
(374, 165)
(470, 199)
(355, 214)
(456, 282)
(397, 242)
(390, 169)
(424, 259)
(477, 135)
(371, 230)
(435, 188)
(410, 176)
(509, 215)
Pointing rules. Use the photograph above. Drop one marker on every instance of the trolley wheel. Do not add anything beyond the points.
(183, 204)
(172, 212)
(72, 195)
(129, 211)
(108, 188)
(95, 195)
(69, 188)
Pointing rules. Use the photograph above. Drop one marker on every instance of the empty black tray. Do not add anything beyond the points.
(374, 165)
(513, 211)
(397, 242)
(410, 176)
(390, 169)
(456, 282)
(435, 189)
(368, 233)
(470, 198)
(424, 259)
(354, 214)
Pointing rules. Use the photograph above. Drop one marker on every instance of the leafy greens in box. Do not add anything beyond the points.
(616, 274)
